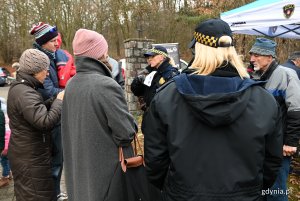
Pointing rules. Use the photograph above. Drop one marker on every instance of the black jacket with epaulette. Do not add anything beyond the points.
(165, 72)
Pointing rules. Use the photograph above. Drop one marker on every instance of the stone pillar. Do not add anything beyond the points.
(135, 63)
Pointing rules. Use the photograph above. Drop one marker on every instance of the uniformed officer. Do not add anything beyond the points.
(158, 72)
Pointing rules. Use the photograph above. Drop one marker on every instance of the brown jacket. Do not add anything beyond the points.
(31, 120)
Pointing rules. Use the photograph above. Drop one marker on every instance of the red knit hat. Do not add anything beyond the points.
(89, 43)
(59, 40)
(43, 32)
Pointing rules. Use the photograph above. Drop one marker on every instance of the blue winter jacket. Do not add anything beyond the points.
(51, 87)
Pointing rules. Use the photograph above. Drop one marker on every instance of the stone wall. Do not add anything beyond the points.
(135, 63)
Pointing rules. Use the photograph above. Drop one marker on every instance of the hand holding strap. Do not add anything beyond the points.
(134, 161)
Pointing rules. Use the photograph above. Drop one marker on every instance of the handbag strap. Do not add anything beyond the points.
(137, 142)
(121, 155)
(121, 159)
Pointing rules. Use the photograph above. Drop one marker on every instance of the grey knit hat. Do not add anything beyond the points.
(33, 61)
(264, 46)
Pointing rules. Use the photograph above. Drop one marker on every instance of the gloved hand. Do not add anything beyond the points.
(142, 103)
(4, 152)
(140, 78)
(137, 85)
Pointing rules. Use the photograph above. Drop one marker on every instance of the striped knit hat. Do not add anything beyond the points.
(33, 61)
(43, 32)
(89, 43)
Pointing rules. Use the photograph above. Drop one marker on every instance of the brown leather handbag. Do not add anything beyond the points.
(135, 182)
(135, 161)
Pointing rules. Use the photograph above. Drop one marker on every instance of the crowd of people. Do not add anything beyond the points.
(216, 131)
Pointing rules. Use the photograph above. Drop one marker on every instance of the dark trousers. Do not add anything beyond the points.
(57, 158)
(279, 189)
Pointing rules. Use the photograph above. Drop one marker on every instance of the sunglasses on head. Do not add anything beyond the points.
(53, 29)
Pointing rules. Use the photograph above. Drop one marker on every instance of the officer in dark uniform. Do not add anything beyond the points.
(158, 72)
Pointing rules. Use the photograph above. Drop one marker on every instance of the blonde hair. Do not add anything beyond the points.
(208, 59)
(171, 61)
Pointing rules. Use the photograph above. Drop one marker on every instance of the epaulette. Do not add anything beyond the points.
(169, 73)
(164, 85)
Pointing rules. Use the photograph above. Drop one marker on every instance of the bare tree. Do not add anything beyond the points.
(117, 20)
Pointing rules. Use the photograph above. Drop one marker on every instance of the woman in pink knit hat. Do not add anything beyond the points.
(95, 122)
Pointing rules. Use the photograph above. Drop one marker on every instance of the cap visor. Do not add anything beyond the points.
(148, 54)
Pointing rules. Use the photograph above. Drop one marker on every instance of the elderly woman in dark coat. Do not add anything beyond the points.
(31, 120)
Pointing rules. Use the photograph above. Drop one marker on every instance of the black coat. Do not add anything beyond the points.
(31, 120)
(206, 138)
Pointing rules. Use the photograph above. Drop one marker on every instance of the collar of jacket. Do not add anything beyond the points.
(87, 65)
(291, 62)
(29, 80)
(164, 66)
(265, 76)
(51, 55)
(227, 70)
(149, 69)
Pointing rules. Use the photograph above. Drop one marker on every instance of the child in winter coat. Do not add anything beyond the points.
(4, 122)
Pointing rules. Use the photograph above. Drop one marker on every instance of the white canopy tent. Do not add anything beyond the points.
(272, 18)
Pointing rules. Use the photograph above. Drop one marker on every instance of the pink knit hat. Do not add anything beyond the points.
(89, 43)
